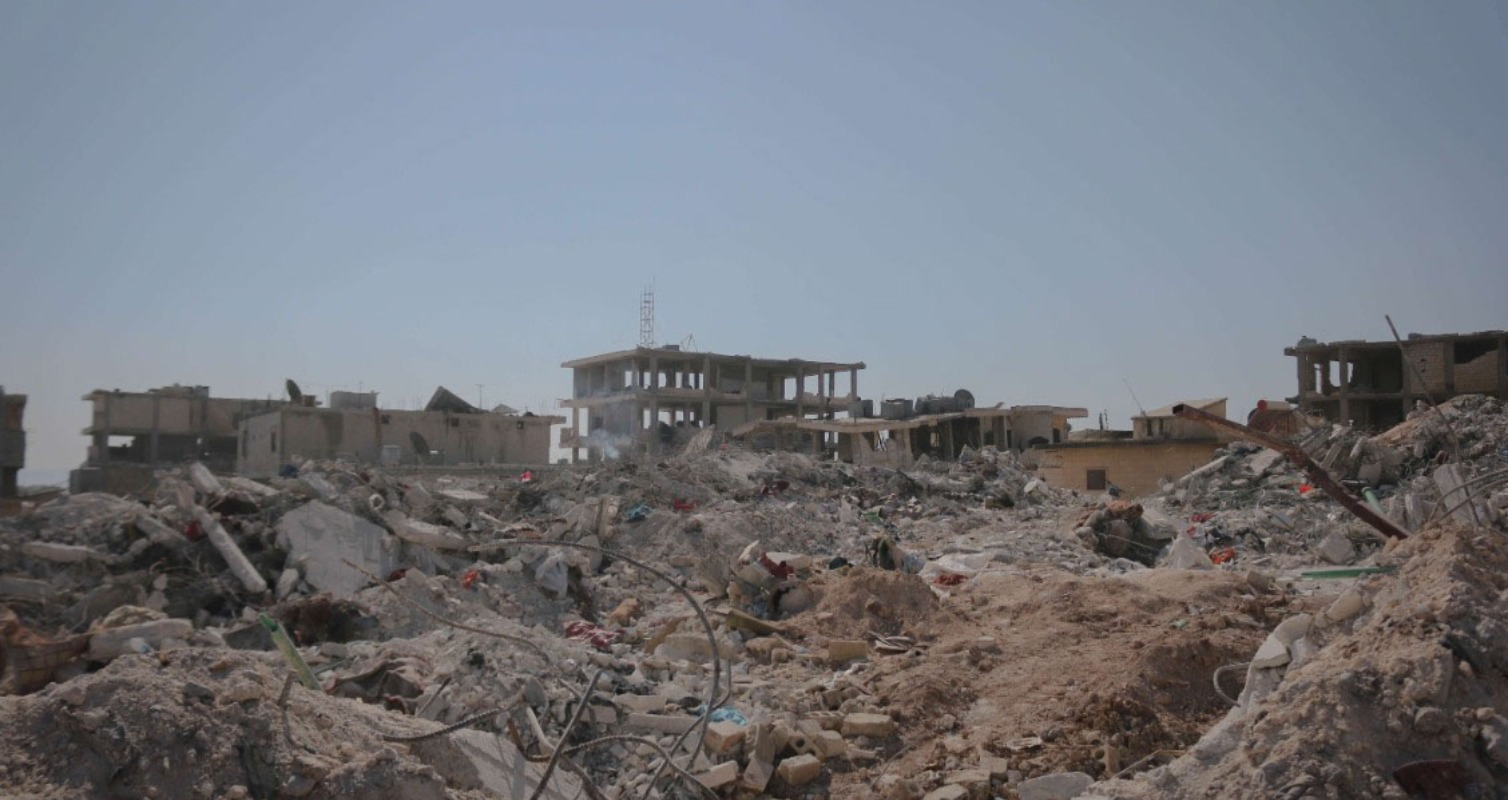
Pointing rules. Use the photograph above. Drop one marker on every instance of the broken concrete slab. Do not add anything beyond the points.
(204, 481)
(317, 536)
(25, 588)
(1058, 786)
(435, 537)
(1453, 491)
(159, 533)
(1337, 549)
(479, 761)
(1264, 460)
(111, 643)
(1292, 629)
(1272, 653)
(322, 488)
(60, 553)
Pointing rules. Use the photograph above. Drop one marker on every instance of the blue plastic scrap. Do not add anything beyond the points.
(636, 514)
(726, 714)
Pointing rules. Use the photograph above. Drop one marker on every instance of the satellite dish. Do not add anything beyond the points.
(294, 395)
(421, 447)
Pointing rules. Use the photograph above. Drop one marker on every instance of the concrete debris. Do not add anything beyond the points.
(952, 629)
(239, 565)
(1060, 786)
(318, 537)
(1187, 554)
(1337, 548)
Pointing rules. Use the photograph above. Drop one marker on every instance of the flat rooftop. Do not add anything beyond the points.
(675, 354)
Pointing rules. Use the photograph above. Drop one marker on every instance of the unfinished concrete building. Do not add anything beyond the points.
(647, 394)
(1159, 447)
(12, 442)
(133, 433)
(448, 432)
(1374, 385)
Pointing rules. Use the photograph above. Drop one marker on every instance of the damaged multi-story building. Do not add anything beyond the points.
(648, 394)
(1373, 385)
(12, 442)
(447, 432)
(1160, 446)
(133, 433)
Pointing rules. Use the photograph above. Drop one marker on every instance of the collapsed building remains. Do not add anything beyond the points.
(644, 395)
(12, 442)
(1160, 446)
(448, 431)
(725, 623)
(1375, 384)
(900, 435)
(133, 433)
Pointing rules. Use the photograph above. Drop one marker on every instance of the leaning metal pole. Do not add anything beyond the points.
(1296, 454)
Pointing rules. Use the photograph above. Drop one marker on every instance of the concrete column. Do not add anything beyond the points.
(1503, 367)
(1343, 377)
(853, 383)
(575, 435)
(104, 449)
(156, 424)
(800, 392)
(709, 382)
(748, 391)
(1448, 357)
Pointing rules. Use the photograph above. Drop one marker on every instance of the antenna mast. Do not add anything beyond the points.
(647, 317)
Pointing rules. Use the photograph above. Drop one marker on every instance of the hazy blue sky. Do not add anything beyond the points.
(1036, 201)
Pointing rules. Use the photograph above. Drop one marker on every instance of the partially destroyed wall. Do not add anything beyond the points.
(1478, 375)
(1429, 360)
(273, 439)
(1024, 427)
(139, 413)
(1136, 467)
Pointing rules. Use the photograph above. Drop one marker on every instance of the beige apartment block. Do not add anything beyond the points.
(1159, 447)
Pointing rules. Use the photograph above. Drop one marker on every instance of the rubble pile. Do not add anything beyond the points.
(429, 599)
(1251, 506)
(721, 622)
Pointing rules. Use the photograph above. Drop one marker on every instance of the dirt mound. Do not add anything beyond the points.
(1054, 672)
(863, 600)
(1420, 677)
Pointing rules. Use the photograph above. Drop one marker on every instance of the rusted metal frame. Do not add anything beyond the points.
(1316, 473)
